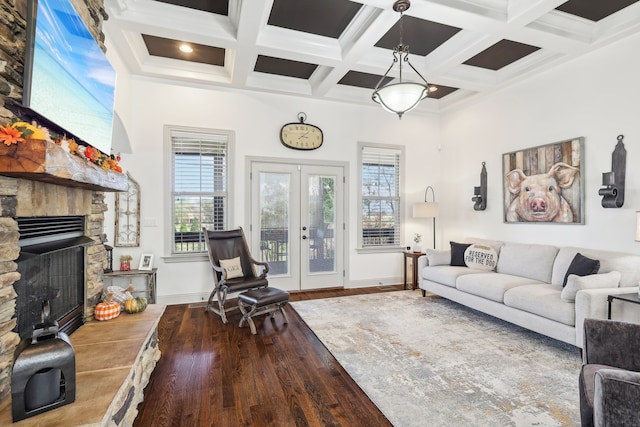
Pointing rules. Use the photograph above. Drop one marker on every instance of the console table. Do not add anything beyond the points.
(411, 268)
(148, 275)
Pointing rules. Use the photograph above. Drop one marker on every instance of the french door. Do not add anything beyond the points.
(297, 223)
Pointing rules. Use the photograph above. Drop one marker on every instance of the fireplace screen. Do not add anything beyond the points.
(57, 277)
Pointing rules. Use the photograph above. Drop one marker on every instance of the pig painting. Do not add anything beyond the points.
(538, 198)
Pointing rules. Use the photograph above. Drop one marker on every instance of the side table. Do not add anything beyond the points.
(149, 275)
(411, 268)
(632, 298)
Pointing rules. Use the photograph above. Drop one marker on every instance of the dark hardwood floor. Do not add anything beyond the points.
(220, 375)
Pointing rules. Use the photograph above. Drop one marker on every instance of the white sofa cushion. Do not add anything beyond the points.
(625, 264)
(530, 261)
(593, 281)
(446, 274)
(491, 285)
(543, 300)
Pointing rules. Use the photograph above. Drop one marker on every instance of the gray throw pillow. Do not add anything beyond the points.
(457, 253)
(581, 266)
(593, 281)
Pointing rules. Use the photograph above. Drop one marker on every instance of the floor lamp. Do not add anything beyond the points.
(427, 210)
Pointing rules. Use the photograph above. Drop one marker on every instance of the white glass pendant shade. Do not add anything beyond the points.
(400, 97)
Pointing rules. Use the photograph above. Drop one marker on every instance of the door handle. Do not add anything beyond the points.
(304, 237)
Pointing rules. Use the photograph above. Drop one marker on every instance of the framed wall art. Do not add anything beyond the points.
(127, 229)
(545, 184)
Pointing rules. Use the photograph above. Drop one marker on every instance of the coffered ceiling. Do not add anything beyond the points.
(339, 49)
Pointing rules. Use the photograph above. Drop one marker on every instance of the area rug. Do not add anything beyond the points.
(427, 361)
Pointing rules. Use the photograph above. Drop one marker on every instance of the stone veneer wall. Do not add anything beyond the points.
(27, 198)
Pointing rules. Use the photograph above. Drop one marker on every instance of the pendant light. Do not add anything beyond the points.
(401, 96)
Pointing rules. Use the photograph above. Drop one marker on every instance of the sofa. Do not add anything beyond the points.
(535, 286)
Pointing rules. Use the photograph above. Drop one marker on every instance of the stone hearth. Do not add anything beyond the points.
(114, 360)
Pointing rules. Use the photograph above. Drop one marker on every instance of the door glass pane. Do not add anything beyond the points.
(274, 221)
(322, 222)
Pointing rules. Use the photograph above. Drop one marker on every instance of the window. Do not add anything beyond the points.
(380, 188)
(199, 187)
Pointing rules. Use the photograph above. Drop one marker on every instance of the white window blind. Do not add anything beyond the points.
(380, 177)
(199, 193)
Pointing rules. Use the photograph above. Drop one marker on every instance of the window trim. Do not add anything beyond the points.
(384, 248)
(169, 256)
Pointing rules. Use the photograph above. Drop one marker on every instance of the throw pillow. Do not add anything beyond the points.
(581, 266)
(232, 267)
(593, 281)
(480, 257)
(435, 257)
(457, 253)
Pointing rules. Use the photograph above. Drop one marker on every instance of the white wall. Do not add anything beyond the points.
(256, 119)
(595, 97)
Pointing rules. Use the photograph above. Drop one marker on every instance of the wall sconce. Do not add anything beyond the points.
(613, 193)
(480, 193)
(427, 210)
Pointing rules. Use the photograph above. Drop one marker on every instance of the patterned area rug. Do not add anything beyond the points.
(430, 361)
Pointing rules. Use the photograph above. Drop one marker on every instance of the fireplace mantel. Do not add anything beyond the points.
(41, 160)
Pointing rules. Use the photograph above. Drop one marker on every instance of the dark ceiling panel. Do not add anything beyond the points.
(284, 67)
(369, 81)
(422, 36)
(442, 91)
(326, 17)
(594, 10)
(501, 54)
(219, 7)
(364, 80)
(168, 48)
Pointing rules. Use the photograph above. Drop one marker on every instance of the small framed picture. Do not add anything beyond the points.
(146, 262)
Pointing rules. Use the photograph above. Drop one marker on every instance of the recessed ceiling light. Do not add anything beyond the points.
(186, 48)
(433, 88)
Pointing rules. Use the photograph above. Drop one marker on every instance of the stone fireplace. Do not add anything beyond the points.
(45, 194)
(27, 198)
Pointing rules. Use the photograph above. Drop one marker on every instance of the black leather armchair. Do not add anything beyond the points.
(610, 375)
(227, 245)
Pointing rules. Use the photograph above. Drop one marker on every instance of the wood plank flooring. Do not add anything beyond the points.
(211, 374)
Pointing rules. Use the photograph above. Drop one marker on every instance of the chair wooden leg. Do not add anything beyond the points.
(247, 316)
(211, 296)
(222, 297)
(280, 308)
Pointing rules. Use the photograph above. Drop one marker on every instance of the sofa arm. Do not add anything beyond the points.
(592, 303)
(422, 263)
(616, 397)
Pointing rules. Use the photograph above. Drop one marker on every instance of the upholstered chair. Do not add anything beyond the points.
(610, 375)
(234, 270)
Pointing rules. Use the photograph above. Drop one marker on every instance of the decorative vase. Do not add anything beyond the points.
(125, 265)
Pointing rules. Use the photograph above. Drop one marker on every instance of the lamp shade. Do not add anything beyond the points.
(425, 210)
(400, 97)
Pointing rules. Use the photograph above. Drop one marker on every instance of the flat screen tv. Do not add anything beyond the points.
(68, 80)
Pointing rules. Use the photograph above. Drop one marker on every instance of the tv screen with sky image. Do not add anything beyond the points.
(68, 80)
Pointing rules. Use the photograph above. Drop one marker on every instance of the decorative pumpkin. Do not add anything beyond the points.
(107, 309)
(120, 295)
(135, 305)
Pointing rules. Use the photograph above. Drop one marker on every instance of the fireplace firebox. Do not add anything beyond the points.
(52, 266)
